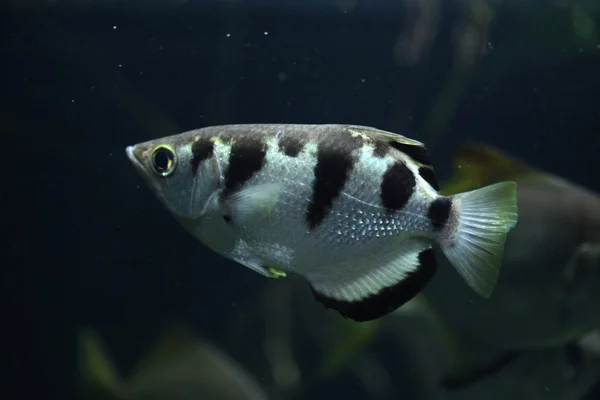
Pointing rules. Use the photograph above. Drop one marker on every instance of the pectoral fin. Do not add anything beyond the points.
(251, 203)
(585, 259)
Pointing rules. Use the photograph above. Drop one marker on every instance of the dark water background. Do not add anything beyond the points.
(86, 243)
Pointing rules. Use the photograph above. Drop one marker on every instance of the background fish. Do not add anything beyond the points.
(551, 267)
(179, 367)
(564, 372)
(353, 209)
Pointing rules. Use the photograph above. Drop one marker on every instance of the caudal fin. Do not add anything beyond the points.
(474, 240)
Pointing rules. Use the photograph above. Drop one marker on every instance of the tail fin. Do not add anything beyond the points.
(483, 219)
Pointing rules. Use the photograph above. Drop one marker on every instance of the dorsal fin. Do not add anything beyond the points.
(378, 134)
(477, 165)
(412, 148)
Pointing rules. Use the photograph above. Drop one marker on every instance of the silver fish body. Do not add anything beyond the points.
(353, 209)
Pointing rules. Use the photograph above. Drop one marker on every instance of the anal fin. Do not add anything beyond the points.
(381, 288)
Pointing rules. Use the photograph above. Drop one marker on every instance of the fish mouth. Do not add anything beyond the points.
(135, 157)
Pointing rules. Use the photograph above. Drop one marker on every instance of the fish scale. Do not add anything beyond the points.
(359, 203)
(352, 209)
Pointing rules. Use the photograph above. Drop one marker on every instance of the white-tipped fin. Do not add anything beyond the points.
(368, 289)
(253, 202)
(474, 239)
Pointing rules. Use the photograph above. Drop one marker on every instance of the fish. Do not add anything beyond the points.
(568, 371)
(551, 263)
(352, 209)
(179, 366)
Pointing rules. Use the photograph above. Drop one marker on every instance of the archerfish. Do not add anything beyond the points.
(353, 209)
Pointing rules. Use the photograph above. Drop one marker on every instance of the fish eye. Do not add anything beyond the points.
(163, 160)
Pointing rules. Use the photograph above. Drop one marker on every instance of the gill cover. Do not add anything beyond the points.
(172, 170)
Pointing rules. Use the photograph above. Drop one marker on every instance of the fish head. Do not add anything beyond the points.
(171, 170)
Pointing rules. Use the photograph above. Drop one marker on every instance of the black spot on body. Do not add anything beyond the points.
(202, 149)
(247, 156)
(429, 176)
(292, 144)
(334, 164)
(417, 153)
(387, 299)
(439, 212)
(331, 173)
(397, 185)
(381, 149)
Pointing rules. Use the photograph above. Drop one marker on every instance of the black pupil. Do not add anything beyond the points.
(163, 159)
